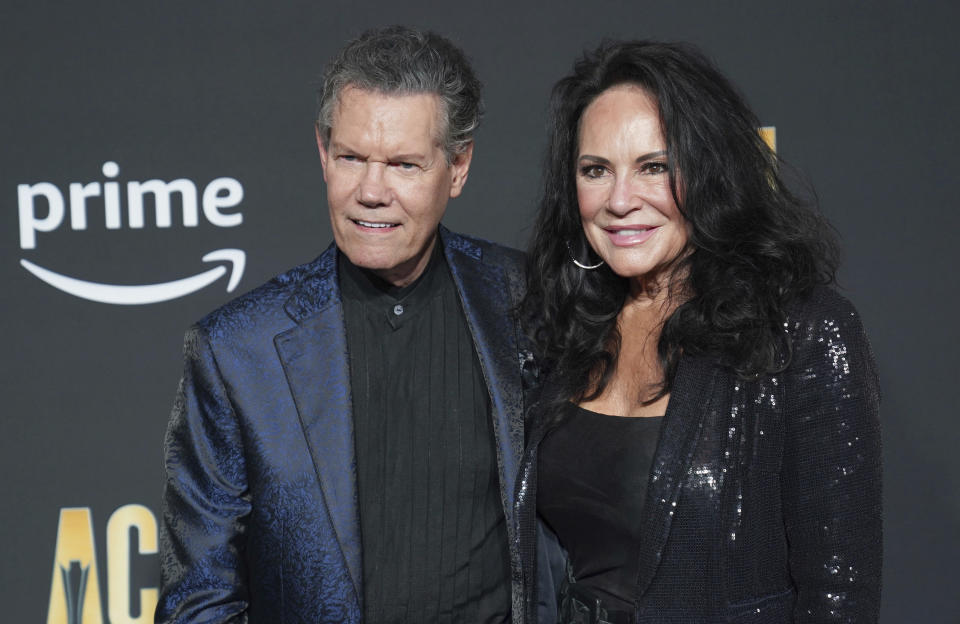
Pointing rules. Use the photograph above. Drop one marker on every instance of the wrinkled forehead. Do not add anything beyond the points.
(393, 116)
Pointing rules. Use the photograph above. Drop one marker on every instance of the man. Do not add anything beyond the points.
(345, 439)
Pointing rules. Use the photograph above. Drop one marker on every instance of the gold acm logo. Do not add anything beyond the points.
(769, 134)
(75, 587)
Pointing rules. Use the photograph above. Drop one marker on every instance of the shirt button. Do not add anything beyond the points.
(398, 309)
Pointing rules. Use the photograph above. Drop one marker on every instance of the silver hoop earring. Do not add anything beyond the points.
(580, 264)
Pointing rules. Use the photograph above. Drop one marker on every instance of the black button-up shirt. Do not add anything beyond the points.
(433, 531)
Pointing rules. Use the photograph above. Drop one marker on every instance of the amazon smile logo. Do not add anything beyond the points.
(43, 208)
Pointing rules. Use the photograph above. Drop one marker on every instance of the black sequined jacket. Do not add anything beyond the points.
(763, 504)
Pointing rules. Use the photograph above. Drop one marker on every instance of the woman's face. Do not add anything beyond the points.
(623, 185)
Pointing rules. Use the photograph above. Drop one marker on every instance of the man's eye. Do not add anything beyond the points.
(405, 166)
(348, 158)
(592, 171)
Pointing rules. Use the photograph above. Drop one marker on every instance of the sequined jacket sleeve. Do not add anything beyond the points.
(763, 505)
(831, 465)
(205, 502)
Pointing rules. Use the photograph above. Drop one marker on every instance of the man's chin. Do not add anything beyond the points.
(392, 262)
(371, 262)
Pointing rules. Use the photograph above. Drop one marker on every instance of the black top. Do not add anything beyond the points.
(593, 471)
(764, 498)
(432, 525)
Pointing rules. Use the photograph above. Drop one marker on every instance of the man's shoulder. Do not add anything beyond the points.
(502, 266)
(486, 251)
(264, 307)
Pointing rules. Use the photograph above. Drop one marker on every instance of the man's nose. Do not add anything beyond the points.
(374, 190)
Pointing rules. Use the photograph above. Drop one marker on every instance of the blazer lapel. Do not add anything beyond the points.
(314, 356)
(690, 399)
(485, 296)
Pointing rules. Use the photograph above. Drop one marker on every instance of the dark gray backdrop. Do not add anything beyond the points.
(863, 99)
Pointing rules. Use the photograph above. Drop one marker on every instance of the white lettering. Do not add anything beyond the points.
(78, 203)
(213, 201)
(111, 196)
(219, 195)
(29, 223)
(110, 169)
(161, 197)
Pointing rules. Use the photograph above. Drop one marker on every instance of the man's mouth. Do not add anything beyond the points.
(374, 224)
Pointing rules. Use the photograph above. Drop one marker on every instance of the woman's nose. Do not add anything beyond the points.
(623, 196)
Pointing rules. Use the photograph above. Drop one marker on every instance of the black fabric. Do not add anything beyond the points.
(433, 532)
(579, 604)
(261, 518)
(593, 482)
(764, 500)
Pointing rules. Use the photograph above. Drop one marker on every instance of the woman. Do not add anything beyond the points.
(706, 443)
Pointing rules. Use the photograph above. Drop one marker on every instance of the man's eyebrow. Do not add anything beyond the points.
(336, 145)
(407, 157)
(404, 157)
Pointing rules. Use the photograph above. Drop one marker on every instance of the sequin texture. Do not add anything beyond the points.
(763, 504)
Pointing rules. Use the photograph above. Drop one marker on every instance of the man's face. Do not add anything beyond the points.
(388, 180)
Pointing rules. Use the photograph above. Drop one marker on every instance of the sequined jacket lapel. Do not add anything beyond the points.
(691, 399)
(693, 393)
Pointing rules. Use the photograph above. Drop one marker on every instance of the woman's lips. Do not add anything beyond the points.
(626, 237)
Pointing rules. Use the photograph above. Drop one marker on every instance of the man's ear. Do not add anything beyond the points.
(461, 167)
(323, 150)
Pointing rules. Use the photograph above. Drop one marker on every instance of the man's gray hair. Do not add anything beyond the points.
(400, 60)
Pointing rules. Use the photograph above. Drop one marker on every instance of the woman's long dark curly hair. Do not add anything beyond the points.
(753, 246)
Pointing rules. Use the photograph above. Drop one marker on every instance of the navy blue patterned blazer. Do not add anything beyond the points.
(260, 519)
(764, 501)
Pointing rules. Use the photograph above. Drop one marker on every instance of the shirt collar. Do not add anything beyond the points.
(362, 285)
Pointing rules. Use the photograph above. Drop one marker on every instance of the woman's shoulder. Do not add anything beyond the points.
(826, 328)
(820, 309)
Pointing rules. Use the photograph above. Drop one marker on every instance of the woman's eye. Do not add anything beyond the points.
(592, 171)
(654, 167)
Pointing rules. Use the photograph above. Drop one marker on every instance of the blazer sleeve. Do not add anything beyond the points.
(831, 472)
(205, 501)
